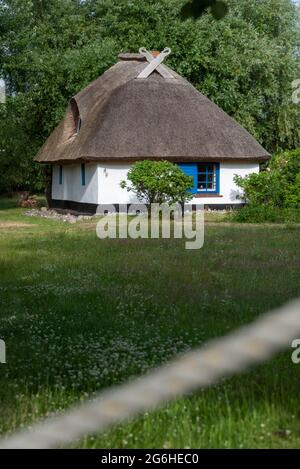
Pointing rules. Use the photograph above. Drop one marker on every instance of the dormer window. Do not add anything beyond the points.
(76, 116)
(78, 126)
(73, 121)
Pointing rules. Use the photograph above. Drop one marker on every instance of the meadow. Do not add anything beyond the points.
(79, 314)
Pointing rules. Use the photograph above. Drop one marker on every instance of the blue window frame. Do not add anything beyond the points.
(206, 177)
(83, 174)
(60, 174)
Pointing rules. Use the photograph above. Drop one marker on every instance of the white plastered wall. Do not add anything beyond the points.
(111, 175)
(103, 184)
(71, 188)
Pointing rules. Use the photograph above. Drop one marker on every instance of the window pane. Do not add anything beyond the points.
(207, 177)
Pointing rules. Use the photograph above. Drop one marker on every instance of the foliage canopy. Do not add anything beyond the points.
(51, 49)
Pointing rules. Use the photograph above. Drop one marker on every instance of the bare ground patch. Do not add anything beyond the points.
(14, 224)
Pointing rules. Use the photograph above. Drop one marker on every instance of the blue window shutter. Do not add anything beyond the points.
(218, 178)
(60, 174)
(190, 169)
(83, 174)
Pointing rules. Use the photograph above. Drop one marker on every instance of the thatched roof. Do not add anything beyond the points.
(126, 119)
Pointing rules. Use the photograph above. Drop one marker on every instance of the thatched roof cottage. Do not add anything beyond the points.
(142, 109)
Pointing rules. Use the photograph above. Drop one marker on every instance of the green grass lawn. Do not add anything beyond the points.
(79, 314)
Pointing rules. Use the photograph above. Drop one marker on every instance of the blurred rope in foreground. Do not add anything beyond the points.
(199, 368)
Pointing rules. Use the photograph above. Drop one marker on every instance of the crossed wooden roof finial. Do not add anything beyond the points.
(155, 63)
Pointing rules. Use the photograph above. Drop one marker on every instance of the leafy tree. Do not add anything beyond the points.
(49, 50)
(196, 8)
(158, 182)
(16, 149)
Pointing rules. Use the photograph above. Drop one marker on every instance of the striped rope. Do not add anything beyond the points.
(203, 367)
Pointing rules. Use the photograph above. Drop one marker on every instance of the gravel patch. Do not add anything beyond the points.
(63, 215)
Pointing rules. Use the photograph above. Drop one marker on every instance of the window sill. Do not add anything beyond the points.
(198, 196)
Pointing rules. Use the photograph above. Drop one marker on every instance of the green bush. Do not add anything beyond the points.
(263, 188)
(277, 186)
(265, 214)
(273, 195)
(292, 193)
(158, 182)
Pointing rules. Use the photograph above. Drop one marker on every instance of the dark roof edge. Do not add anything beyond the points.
(94, 159)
